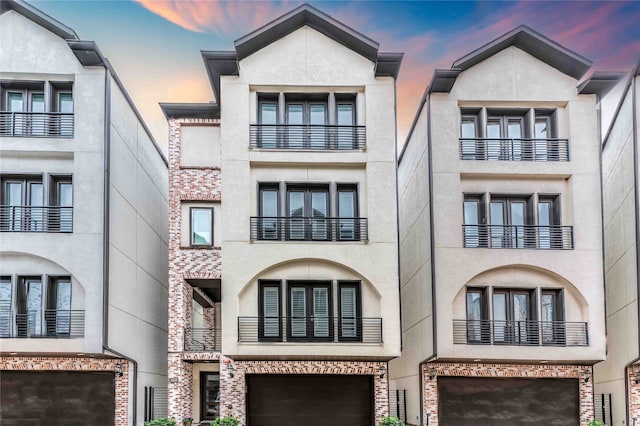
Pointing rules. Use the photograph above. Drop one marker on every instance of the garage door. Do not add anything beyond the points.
(310, 400)
(37, 398)
(471, 401)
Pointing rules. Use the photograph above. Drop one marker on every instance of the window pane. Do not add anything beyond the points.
(201, 221)
(541, 130)
(294, 114)
(37, 102)
(493, 130)
(497, 223)
(345, 115)
(517, 222)
(348, 312)
(65, 194)
(33, 307)
(65, 102)
(15, 102)
(14, 194)
(474, 306)
(321, 312)
(500, 329)
(36, 194)
(271, 311)
(346, 136)
(298, 312)
(319, 209)
(269, 211)
(346, 204)
(5, 307)
(468, 129)
(296, 203)
(35, 215)
(268, 113)
(317, 114)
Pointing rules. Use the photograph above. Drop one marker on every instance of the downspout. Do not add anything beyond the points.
(395, 115)
(105, 232)
(634, 140)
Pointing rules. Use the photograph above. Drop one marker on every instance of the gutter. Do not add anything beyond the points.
(395, 109)
(105, 247)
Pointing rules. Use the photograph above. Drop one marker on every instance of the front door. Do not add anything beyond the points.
(310, 311)
(209, 395)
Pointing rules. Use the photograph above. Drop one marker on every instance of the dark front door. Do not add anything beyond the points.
(57, 398)
(309, 400)
(472, 401)
(210, 396)
(310, 311)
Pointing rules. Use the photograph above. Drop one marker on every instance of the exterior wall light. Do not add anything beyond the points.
(118, 369)
(637, 378)
(382, 371)
(432, 373)
(230, 368)
(587, 375)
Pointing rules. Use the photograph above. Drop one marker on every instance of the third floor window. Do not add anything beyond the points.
(317, 121)
(511, 135)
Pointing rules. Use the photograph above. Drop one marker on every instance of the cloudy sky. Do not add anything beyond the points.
(155, 45)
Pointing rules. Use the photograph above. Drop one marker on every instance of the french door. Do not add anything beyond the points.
(306, 120)
(310, 309)
(505, 135)
(308, 211)
(508, 217)
(513, 316)
(29, 307)
(21, 200)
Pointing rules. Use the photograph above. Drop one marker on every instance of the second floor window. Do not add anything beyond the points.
(312, 212)
(26, 205)
(201, 226)
(514, 221)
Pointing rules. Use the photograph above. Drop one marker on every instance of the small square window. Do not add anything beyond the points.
(201, 226)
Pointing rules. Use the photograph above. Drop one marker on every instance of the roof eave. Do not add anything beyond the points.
(39, 17)
(600, 83)
(190, 110)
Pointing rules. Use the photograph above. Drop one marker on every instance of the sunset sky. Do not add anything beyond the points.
(155, 45)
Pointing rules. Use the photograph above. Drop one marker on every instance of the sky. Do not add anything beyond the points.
(154, 45)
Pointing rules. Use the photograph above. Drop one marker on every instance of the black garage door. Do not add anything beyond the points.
(61, 398)
(309, 400)
(468, 401)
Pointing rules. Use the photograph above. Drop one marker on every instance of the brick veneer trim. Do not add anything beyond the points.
(430, 386)
(634, 392)
(13, 363)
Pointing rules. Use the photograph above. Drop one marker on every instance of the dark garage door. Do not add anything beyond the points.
(36, 398)
(468, 401)
(309, 400)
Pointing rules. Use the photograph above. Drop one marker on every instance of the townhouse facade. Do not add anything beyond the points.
(617, 380)
(283, 301)
(83, 233)
(501, 240)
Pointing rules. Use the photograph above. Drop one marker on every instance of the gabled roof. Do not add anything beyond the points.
(226, 62)
(535, 44)
(39, 17)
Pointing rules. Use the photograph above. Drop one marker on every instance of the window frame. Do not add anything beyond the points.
(358, 317)
(262, 284)
(484, 327)
(192, 243)
(309, 285)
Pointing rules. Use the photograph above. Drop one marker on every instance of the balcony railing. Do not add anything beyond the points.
(316, 137)
(202, 340)
(36, 124)
(514, 149)
(310, 329)
(309, 229)
(36, 219)
(50, 323)
(518, 237)
(521, 333)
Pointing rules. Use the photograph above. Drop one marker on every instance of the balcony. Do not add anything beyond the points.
(202, 340)
(520, 333)
(307, 137)
(308, 229)
(36, 219)
(50, 323)
(514, 149)
(36, 124)
(518, 237)
(310, 329)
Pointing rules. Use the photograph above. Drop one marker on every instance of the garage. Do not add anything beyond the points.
(34, 398)
(467, 401)
(310, 400)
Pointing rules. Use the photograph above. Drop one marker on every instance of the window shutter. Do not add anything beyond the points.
(348, 311)
(321, 312)
(298, 312)
(271, 309)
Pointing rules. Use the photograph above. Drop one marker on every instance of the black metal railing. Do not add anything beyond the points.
(310, 329)
(36, 124)
(307, 136)
(202, 339)
(525, 149)
(521, 333)
(518, 236)
(50, 323)
(308, 229)
(36, 219)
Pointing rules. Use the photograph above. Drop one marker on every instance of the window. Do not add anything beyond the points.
(201, 226)
(306, 119)
(505, 132)
(309, 306)
(349, 303)
(22, 202)
(513, 315)
(29, 306)
(470, 146)
(347, 137)
(209, 395)
(269, 308)
(5, 306)
(268, 119)
(268, 209)
(348, 228)
(477, 324)
(514, 221)
(544, 133)
(308, 208)
(552, 316)
(61, 196)
(58, 312)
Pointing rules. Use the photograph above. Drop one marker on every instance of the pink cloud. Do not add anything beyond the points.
(220, 17)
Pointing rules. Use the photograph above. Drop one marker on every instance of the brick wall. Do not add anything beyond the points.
(232, 390)
(634, 394)
(79, 364)
(430, 388)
